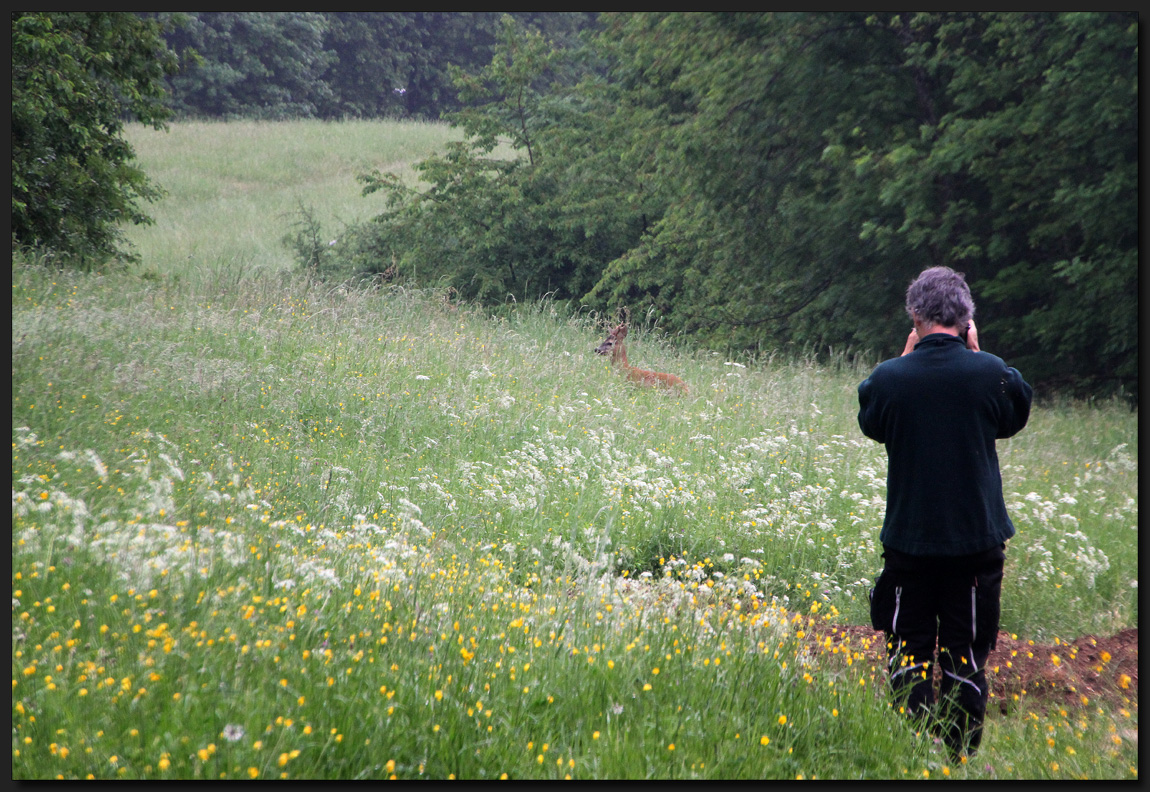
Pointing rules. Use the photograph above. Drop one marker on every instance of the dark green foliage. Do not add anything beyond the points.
(306, 239)
(1024, 176)
(363, 64)
(372, 69)
(76, 78)
(493, 226)
(765, 181)
(265, 64)
(812, 164)
(757, 244)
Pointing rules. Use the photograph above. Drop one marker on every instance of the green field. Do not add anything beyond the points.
(270, 527)
(234, 188)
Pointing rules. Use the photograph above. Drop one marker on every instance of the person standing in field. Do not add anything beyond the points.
(939, 408)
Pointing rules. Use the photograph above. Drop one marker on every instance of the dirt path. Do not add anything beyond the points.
(1021, 673)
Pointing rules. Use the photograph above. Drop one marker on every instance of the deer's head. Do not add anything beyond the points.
(616, 336)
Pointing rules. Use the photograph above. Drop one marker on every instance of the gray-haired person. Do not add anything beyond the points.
(939, 408)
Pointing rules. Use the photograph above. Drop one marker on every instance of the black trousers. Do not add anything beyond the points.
(952, 602)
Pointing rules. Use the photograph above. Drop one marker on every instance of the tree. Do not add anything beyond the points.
(265, 64)
(813, 163)
(774, 180)
(372, 68)
(76, 78)
(361, 64)
(491, 225)
(1024, 175)
(757, 246)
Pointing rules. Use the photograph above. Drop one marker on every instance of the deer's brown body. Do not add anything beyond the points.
(615, 347)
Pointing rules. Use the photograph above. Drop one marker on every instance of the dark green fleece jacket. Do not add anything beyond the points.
(939, 411)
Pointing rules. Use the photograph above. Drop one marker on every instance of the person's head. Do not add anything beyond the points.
(940, 296)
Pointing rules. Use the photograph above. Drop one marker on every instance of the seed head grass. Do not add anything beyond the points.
(293, 531)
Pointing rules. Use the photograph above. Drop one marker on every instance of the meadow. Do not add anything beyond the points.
(268, 527)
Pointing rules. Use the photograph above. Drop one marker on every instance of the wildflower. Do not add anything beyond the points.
(1124, 681)
(233, 732)
(764, 740)
(253, 772)
(782, 720)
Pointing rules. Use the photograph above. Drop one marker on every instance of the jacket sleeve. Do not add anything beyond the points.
(1014, 397)
(869, 411)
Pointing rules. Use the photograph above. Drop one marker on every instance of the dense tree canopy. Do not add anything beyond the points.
(263, 64)
(361, 64)
(76, 77)
(772, 180)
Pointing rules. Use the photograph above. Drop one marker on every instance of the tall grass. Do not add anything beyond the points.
(265, 527)
(233, 188)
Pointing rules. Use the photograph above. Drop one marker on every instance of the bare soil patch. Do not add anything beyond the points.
(1090, 670)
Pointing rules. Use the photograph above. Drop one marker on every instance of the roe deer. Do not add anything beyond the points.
(614, 346)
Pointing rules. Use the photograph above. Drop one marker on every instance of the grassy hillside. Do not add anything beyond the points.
(265, 527)
(233, 188)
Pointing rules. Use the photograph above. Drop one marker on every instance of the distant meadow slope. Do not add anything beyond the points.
(234, 188)
(270, 527)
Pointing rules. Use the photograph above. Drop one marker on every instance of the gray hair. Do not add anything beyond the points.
(940, 296)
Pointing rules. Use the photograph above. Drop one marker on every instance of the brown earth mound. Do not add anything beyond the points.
(1023, 673)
